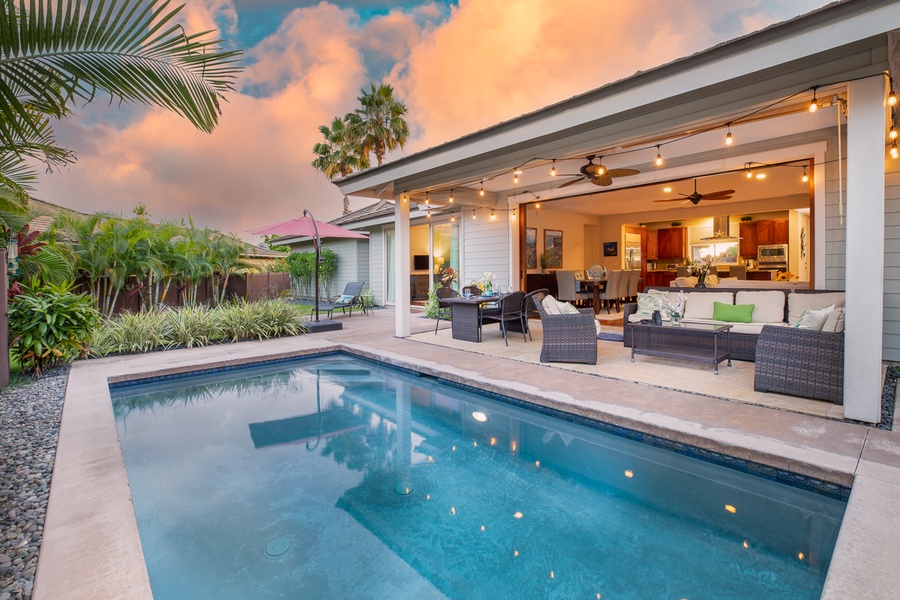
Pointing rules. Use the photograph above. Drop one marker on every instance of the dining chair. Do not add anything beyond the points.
(471, 290)
(530, 310)
(567, 291)
(631, 291)
(613, 290)
(510, 310)
(444, 308)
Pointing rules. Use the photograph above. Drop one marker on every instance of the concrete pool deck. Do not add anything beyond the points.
(91, 547)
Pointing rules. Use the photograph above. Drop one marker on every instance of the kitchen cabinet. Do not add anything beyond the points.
(536, 281)
(748, 239)
(659, 278)
(772, 231)
(652, 244)
(670, 242)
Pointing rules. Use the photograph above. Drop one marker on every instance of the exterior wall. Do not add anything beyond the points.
(485, 247)
(835, 230)
(353, 262)
(891, 334)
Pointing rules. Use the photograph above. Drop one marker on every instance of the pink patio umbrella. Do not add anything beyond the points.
(308, 226)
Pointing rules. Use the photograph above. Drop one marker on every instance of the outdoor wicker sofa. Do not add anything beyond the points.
(570, 338)
(799, 362)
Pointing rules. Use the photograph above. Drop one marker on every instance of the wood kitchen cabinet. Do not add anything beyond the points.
(748, 239)
(670, 242)
(652, 244)
(659, 278)
(772, 231)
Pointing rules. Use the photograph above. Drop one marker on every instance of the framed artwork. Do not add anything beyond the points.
(610, 248)
(530, 248)
(553, 248)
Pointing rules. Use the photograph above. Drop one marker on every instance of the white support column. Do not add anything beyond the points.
(401, 266)
(864, 279)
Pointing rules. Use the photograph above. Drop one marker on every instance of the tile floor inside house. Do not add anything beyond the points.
(614, 361)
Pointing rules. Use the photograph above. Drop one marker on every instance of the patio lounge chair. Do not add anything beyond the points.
(348, 299)
(567, 338)
(530, 310)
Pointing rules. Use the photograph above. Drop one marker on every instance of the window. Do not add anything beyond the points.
(723, 252)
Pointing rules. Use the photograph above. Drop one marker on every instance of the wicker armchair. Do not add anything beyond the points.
(567, 338)
(800, 362)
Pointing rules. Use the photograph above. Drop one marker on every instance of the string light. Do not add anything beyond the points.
(493, 216)
(517, 172)
(749, 172)
(453, 218)
(814, 105)
(481, 191)
(426, 198)
(729, 140)
(451, 196)
(894, 152)
(428, 214)
(659, 160)
(805, 177)
(474, 216)
(892, 134)
(892, 99)
(553, 169)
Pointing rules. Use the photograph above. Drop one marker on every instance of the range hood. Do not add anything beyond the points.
(721, 231)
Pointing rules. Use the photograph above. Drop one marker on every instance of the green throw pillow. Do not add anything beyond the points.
(733, 313)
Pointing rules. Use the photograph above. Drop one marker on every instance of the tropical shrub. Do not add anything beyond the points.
(191, 326)
(302, 267)
(133, 332)
(49, 325)
(431, 307)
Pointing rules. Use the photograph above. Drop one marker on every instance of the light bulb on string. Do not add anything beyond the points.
(892, 134)
(451, 196)
(553, 169)
(474, 216)
(729, 140)
(659, 160)
(481, 191)
(493, 216)
(894, 152)
(426, 198)
(892, 99)
(814, 105)
(428, 214)
(805, 177)
(453, 218)
(748, 172)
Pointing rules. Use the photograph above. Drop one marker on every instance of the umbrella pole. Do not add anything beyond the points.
(316, 246)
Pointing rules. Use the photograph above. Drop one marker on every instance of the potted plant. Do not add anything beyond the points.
(545, 262)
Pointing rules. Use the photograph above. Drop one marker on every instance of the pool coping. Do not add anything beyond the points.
(91, 546)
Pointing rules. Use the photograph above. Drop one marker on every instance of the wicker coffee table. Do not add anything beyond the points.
(688, 341)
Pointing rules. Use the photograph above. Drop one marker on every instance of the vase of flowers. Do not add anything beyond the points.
(448, 277)
(700, 269)
(676, 309)
(487, 282)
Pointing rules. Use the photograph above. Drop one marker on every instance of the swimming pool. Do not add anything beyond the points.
(337, 477)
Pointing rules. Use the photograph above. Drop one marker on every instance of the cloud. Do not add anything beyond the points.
(458, 68)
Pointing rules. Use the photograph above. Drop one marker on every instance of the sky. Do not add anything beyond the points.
(459, 67)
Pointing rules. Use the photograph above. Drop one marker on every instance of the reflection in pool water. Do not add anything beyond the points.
(334, 477)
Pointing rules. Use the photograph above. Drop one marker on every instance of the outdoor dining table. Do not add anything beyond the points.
(465, 315)
(598, 285)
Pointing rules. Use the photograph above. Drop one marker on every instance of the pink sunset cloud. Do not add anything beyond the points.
(485, 62)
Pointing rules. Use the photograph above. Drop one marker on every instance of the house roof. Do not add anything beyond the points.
(372, 211)
(830, 46)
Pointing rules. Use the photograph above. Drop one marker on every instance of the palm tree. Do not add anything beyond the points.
(340, 153)
(53, 54)
(380, 123)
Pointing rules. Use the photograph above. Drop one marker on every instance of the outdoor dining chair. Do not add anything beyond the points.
(510, 311)
(444, 308)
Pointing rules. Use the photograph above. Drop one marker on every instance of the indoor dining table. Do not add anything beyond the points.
(465, 315)
(597, 285)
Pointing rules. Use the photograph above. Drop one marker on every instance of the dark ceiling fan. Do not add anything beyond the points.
(696, 197)
(597, 173)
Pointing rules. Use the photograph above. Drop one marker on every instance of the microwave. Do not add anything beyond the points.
(772, 253)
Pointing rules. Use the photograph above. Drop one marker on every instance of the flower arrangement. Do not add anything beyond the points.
(448, 277)
(487, 281)
(700, 269)
(676, 310)
(786, 276)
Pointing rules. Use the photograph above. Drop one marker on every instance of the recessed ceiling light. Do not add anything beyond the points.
(667, 189)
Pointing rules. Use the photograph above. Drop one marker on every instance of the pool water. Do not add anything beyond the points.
(335, 477)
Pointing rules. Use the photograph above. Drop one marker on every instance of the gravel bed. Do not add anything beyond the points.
(29, 426)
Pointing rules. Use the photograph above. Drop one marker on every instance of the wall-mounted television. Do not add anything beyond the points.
(420, 262)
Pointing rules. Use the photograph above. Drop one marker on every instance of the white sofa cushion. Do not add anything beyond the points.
(768, 306)
(835, 321)
(800, 303)
(700, 304)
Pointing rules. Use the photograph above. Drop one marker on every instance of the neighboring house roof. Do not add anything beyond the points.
(379, 209)
(52, 211)
(260, 252)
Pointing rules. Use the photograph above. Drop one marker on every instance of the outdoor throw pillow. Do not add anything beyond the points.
(650, 301)
(733, 313)
(551, 306)
(814, 319)
(345, 299)
(566, 309)
(835, 321)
